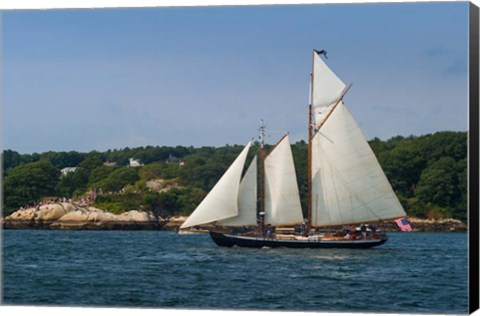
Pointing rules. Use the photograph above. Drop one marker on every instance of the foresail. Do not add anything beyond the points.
(327, 88)
(282, 200)
(247, 199)
(222, 201)
(348, 184)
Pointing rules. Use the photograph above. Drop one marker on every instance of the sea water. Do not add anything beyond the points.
(412, 272)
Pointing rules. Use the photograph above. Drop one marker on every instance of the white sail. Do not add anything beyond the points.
(348, 184)
(282, 200)
(327, 88)
(247, 199)
(222, 201)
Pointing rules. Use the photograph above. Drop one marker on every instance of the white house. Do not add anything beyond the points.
(66, 170)
(134, 163)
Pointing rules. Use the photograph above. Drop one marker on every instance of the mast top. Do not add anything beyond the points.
(321, 52)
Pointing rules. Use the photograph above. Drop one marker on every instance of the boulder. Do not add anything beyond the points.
(135, 216)
(22, 214)
(49, 213)
(21, 219)
(80, 215)
(105, 217)
(96, 219)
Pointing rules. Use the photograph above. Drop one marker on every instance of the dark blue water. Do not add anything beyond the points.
(416, 272)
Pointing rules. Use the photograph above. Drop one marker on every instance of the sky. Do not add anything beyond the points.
(99, 79)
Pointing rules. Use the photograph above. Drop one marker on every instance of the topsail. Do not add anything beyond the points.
(327, 88)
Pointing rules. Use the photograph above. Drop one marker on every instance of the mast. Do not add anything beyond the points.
(309, 155)
(333, 91)
(262, 177)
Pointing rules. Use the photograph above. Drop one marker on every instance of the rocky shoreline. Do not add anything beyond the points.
(431, 225)
(68, 216)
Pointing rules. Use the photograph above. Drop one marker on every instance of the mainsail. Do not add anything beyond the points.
(247, 199)
(348, 184)
(282, 200)
(222, 201)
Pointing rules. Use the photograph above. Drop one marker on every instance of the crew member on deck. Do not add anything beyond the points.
(363, 229)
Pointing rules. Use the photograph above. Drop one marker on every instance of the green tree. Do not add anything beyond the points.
(99, 173)
(403, 166)
(159, 170)
(92, 160)
(119, 203)
(438, 183)
(118, 179)
(189, 200)
(63, 159)
(79, 180)
(28, 183)
(11, 159)
(444, 144)
(162, 204)
(70, 183)
(460, 211)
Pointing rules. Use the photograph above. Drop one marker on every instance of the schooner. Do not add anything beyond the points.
(346, 185)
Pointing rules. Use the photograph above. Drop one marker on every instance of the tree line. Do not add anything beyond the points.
(428, 173)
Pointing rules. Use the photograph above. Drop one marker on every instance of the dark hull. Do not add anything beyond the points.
(225, 240)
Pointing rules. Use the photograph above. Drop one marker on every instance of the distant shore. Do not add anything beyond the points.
(68, 216)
